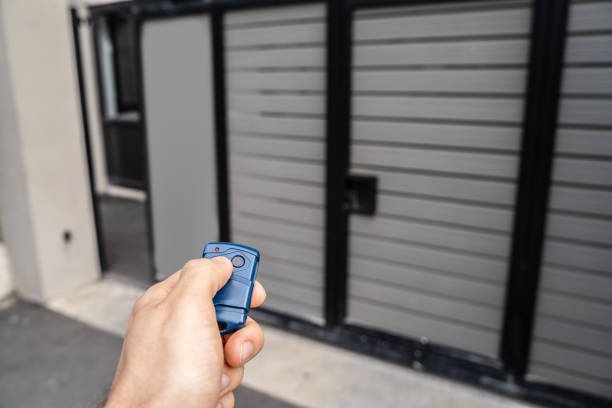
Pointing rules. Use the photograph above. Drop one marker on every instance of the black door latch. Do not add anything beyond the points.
(360, 194)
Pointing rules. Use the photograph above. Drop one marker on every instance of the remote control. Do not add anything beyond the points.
(232, 301)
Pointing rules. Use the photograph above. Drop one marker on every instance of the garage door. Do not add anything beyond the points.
(437, 109)
(275, 61)
(572, 343)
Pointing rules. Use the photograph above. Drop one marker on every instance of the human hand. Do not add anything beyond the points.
(173, 354)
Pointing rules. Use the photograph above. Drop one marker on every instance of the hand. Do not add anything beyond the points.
(173, 355)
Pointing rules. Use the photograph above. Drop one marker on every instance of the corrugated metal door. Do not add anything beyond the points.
(276, 117)
(572, 343)
(437, 107)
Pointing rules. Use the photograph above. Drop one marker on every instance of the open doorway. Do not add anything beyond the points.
(116, 139)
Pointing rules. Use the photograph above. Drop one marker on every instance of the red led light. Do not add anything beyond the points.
(216, 249)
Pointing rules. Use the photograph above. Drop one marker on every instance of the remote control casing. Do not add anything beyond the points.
(232, 302)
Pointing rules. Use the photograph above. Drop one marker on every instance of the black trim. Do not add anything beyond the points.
(539, 128)
(143, 129)
(87, 137)
(337, 160)
(218, 57)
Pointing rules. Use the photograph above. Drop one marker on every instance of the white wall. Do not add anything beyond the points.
(43, 176)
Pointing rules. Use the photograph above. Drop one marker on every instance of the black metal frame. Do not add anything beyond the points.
(539, 130)
(76, 38)
(505, 375)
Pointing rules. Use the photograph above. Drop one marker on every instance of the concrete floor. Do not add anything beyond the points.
(297, 370)
(52, 361)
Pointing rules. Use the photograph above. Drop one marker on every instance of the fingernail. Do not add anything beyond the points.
(246, 349)
(219, 405)
(225, 380)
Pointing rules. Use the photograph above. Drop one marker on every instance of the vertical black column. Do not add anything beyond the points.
(83, 99)
(337, 158)
(218, 58)
(540, 122)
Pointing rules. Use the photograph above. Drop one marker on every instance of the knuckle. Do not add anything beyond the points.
(193, 264)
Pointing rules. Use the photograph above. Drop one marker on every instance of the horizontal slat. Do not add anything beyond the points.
(505, 110)
(493, 22)
(277, 168)
(310, 104)
(284, 81)
(273, 14)
(443, 53)
(276, 35)
(590, 16)
(448, 81)
(589, 49)
(580, 228)
(290, 274)
(583, 171)
(437, 211)
(594, 81)
(586, 111)
(576, 283)
(416, 326)
(426, 281)
(581, 141)
(465, 136)
(479, 164)
(296, 149)
(572, 335)
(581, 200)
(579, 361)
(292, 233)
(415, 257)
(288, 252)
(278, 189)
(441, 186)
(579, 310)
(443, 237)
(307, 57)
(290, 307)
(276, 126)
(428, 8)
(278, 210)
(440, 306)
(578, 256)
(303, 294)
(541, 372)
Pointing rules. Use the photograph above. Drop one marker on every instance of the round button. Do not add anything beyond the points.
(238, 261)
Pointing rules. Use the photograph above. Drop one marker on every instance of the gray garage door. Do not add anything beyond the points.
(276, 117)
(177, 70)
(437, 108)
(573, 329)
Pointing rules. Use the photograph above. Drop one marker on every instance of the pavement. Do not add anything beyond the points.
(52, 361)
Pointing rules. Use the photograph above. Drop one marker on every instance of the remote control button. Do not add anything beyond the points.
(238, 261)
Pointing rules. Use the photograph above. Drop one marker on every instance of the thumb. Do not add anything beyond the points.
(202, 278)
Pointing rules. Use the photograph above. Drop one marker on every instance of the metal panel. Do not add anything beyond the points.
(438, 94)
(276, 119)
(177, 69)
(572, 343)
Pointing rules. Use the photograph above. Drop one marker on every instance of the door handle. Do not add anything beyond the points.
(360, 194)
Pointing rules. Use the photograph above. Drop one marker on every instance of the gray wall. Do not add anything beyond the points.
(438, 94)
(276, 110)
(177, 71)
(573, 329)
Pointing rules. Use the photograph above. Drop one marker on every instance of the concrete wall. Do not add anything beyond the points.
(44, 188)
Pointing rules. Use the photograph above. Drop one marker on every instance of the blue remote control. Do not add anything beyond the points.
(232, 301)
